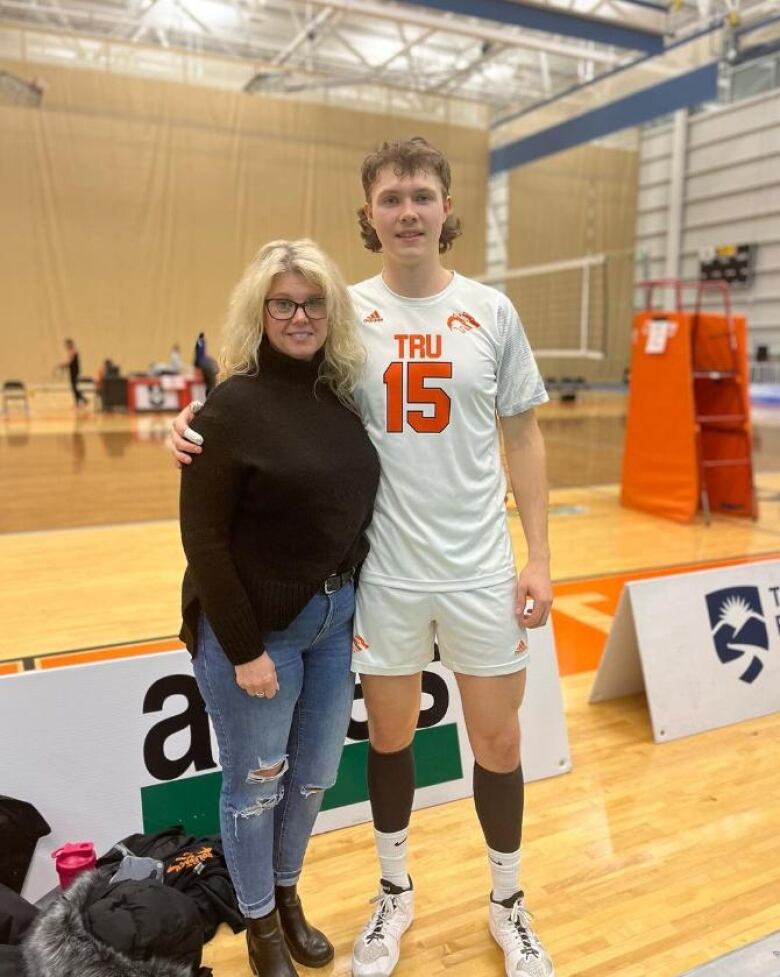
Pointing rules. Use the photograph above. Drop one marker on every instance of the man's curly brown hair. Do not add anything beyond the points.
(407, 158)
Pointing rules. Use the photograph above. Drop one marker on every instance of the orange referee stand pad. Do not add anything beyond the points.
(688, 435)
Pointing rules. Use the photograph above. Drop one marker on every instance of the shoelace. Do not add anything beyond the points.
(520, 919)
(384, 909)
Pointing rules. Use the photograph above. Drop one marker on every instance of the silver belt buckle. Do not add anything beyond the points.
(334, 578)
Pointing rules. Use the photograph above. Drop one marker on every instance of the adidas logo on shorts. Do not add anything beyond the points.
(359, 643)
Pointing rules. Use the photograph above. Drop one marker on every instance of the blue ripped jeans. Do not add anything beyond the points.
(267, 820)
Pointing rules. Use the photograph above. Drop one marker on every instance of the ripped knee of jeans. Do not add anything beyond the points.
(259, 806)
(268, 775)
(309, 790)
(268, 770)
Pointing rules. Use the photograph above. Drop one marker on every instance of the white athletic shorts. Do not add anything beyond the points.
(476, 630)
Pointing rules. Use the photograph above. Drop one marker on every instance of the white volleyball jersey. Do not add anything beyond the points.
(439, 370)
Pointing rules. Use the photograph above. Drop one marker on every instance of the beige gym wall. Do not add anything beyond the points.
(581, 201)
(130, 208)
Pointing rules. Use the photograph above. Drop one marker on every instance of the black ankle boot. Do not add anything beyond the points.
(268, 953)
(307, 945)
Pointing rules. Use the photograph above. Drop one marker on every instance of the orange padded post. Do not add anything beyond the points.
(688, 435)
(660, 469)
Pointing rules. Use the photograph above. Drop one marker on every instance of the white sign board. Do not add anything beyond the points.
(154, 396)
(657, 335)
(705, 646)
(108, 749)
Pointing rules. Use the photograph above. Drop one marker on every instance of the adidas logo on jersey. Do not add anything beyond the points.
(373, 317)
(462, 322)
(359, 643)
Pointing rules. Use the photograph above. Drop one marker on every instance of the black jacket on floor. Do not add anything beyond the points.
(131, 929)
(195, 866)
(21, 825)
(16, 916)
(11, 961)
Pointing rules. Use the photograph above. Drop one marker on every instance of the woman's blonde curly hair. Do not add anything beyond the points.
(344, 354)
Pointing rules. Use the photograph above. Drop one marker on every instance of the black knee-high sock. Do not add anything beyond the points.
(391, 788)
(498, 798)
(391, 791)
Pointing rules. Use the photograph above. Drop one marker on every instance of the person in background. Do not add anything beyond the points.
(205, 363)
(72, 364)
(175, 358)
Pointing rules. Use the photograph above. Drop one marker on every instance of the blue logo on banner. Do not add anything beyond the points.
(739, 627)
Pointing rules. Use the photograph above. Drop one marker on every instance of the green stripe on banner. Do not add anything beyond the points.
(194, 801)
(436, 761)
(190, 801)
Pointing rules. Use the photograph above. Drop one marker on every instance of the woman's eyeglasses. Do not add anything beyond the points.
(286, 308)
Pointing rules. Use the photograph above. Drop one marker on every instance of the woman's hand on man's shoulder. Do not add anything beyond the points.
(184, 441)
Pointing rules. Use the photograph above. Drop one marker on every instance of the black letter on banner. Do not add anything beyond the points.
(194, 718)
(437, 689)
(434, 685)
(773, 591)
(357, 730)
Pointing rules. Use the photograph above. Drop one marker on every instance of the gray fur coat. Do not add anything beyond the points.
(58, 944)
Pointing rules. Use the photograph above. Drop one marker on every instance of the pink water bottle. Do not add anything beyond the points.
(72, 859)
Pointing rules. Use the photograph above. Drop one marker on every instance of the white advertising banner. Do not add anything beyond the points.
(154, 396)
(108, 749)
(705, 646)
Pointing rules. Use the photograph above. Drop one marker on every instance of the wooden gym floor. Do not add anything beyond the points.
(645, 861)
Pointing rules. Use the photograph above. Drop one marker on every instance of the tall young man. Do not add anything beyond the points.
(446, 356)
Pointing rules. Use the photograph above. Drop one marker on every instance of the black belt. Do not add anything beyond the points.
(337, 580)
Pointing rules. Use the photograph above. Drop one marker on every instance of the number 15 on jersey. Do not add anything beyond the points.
(406, 386)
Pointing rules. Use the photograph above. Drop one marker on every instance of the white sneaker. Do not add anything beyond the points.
(377, 949)
(510, 927)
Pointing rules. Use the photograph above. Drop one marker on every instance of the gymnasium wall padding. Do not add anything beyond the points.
(131, 207)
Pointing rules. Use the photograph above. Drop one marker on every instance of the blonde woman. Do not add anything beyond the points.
(273, 523)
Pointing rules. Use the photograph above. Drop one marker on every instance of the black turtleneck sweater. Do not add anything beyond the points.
(279, 500)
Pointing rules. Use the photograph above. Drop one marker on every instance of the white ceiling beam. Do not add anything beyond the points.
(128, 21)
(406, 51)
(349, 46)
(100, 16)
(451, 84)
(544, 68)
(509, 38)
(63, 19)
(458, 76)
(303, 35)
(143, 23)
(226, 45)
(406, 48)
(379, 69)
(365, 8)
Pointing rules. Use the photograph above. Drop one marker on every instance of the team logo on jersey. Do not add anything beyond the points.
(739, 628)
(373, 317)
(462, 322)
(359, 643)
